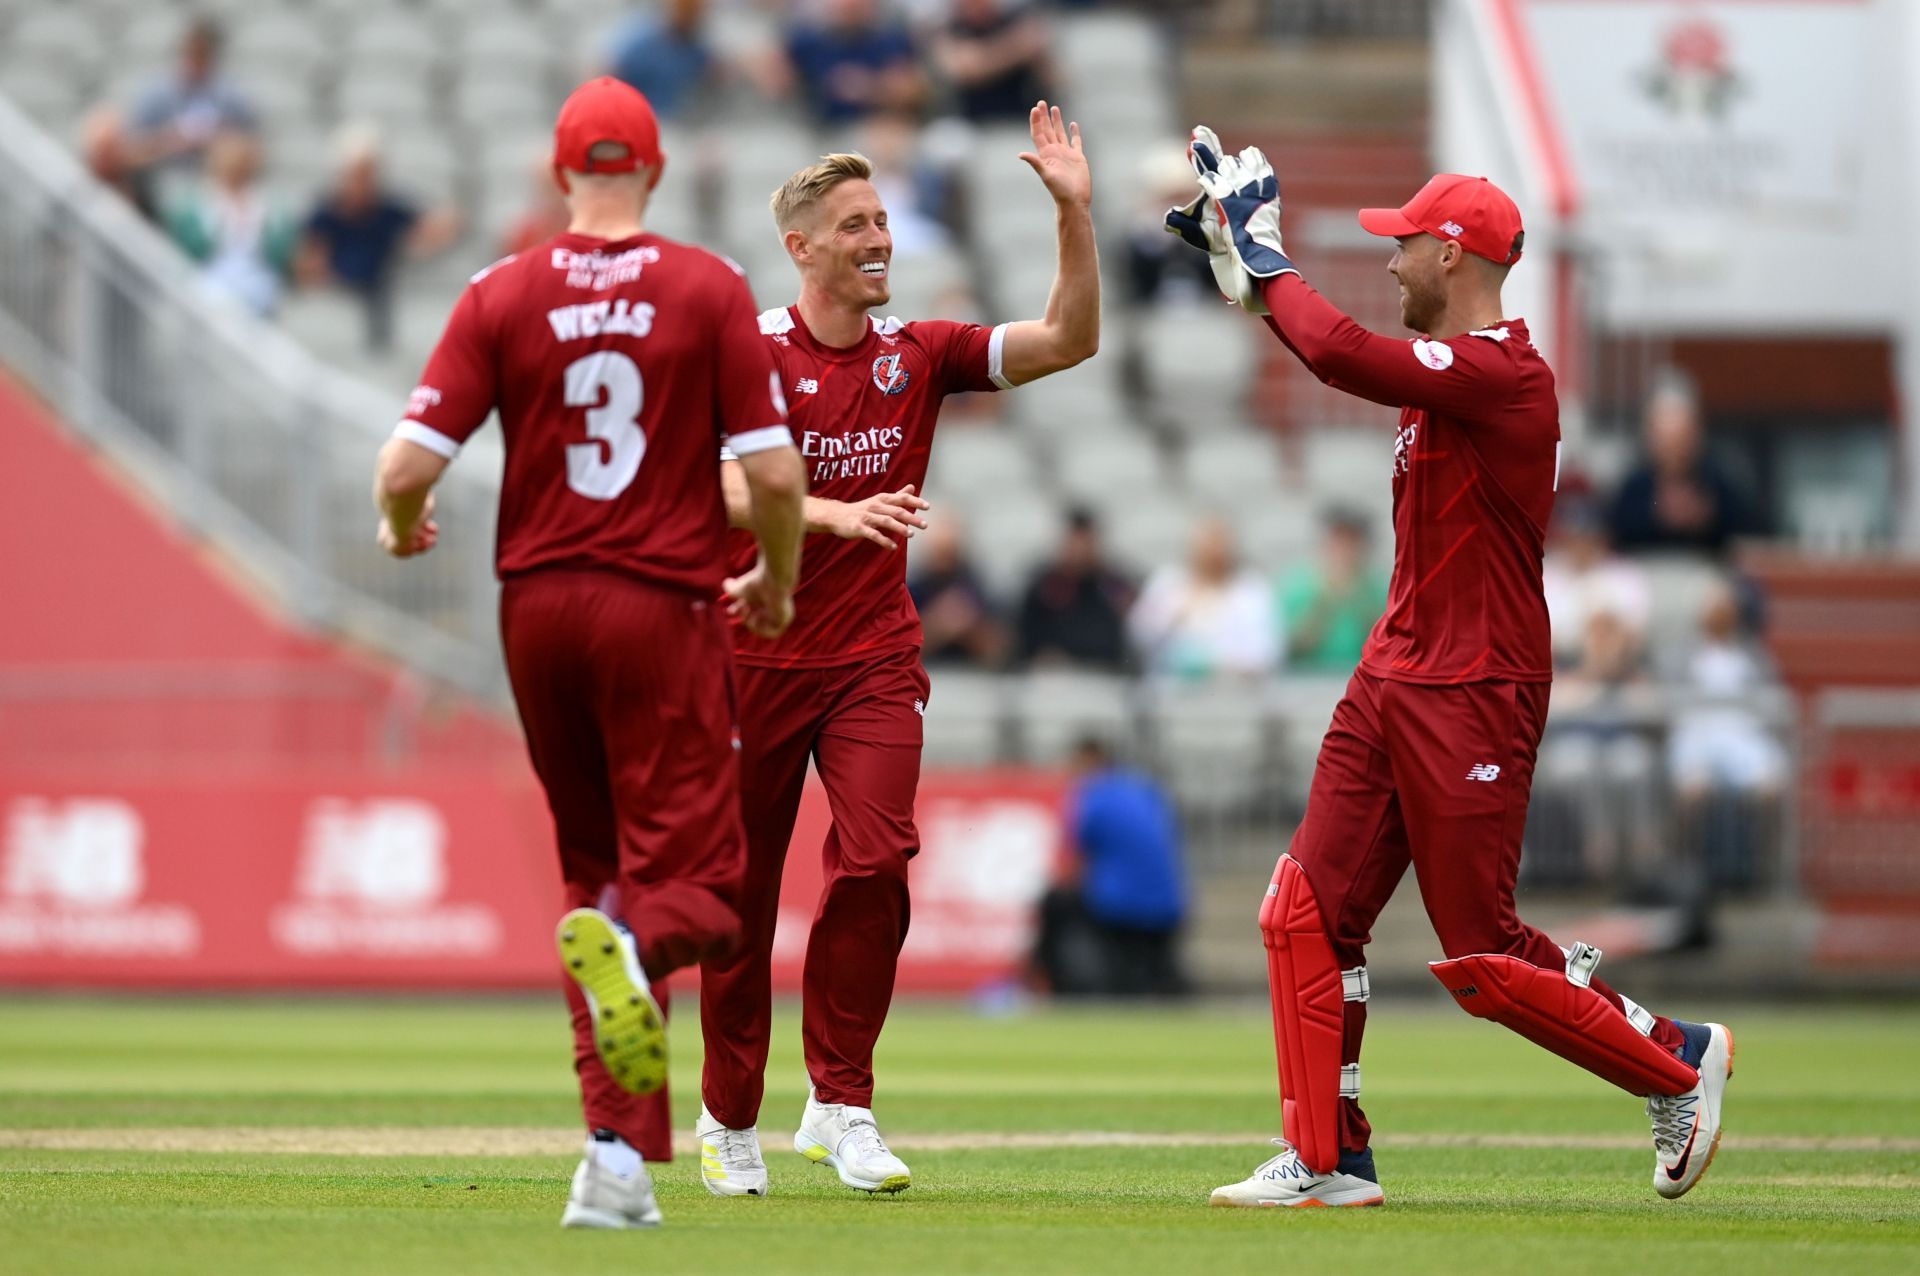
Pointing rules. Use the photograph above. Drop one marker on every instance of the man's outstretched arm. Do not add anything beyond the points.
(1446, 376)
(888, 520)
(1070, 332)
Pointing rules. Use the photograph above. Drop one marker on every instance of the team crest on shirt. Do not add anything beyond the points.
(888, 376)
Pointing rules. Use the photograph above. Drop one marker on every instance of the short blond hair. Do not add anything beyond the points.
(811, 184)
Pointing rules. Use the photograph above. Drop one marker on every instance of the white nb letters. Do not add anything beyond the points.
(602, 469)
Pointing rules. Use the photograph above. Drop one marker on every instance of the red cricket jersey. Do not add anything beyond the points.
(1475, 468)
(863, 417)
(617, 368)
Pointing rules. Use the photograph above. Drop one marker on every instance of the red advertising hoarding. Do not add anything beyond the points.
(442, 878)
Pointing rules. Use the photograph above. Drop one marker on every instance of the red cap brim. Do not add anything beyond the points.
(1390, 222)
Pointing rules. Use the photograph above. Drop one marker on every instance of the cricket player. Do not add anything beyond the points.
(1430, 754)
(845, 685)
(619, 361)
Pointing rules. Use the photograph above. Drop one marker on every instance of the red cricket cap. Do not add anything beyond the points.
(606, 110)
(1471, 210)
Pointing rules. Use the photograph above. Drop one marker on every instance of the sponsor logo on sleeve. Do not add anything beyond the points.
(1437, 355)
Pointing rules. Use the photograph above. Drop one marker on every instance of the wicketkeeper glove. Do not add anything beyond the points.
(1199, 224)
(1246, 195)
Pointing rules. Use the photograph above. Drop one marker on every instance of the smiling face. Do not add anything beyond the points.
(1421, 267)
(843, 248)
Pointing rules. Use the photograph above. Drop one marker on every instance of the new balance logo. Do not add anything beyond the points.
(806, 385)
(1485, 771)
(920, 707)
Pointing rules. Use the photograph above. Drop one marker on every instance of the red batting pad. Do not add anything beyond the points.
(1574, 1022)
(1308, 1016)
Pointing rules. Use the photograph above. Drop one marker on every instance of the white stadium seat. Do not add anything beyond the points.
(981, 458)
(1227, 467)
(1110, 468)
(1199, 365)
(1147, 530)
(1347, 459)
(966, 713)
(1056, 708)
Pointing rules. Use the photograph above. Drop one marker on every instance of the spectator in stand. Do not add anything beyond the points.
(360, 231)
(1583, 577)
(955, 611)
(1074, 609)
(1160, 270)
(856, 62)
(1112, 926)
(243, 242)
(666, 56)
(996, 55)
(110, 155)
(914, 194)
(1678, 496)
(177, 117)
(1210, 618)
(1599, 758)
(1328, 608)
(1720, 745)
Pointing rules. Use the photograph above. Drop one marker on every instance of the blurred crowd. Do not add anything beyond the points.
(188, 149)
(190, 154)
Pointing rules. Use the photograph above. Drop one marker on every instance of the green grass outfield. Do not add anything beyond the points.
(399, 1136)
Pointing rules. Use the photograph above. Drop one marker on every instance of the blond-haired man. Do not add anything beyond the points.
(845, 685)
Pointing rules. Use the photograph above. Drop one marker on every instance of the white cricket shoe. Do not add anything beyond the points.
(1686, 1127)
(611, 1189)
(846, 1138)
(1285, 1180)
(730, 1163)
(629, 1031)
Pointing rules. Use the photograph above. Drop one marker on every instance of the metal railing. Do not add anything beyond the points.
(246, 438)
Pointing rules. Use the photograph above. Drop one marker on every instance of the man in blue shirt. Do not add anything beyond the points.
(1113, 928)
(855, 64)
(666, 57)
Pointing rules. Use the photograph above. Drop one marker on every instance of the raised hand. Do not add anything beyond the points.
(1201, 224)
(1058, 157)
(1247, 194)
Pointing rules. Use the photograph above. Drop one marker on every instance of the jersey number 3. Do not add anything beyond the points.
(604, 468)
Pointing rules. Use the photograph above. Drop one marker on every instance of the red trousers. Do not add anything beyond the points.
(1436, 777)
(861, 725)
(625, 692)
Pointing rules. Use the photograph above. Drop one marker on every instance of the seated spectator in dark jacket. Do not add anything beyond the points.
(360, 232)
(1075, 608)
(666, 56)
(995, 55)
(1678, 496)
(956, 615)
(855, 63)
(1112, 928)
